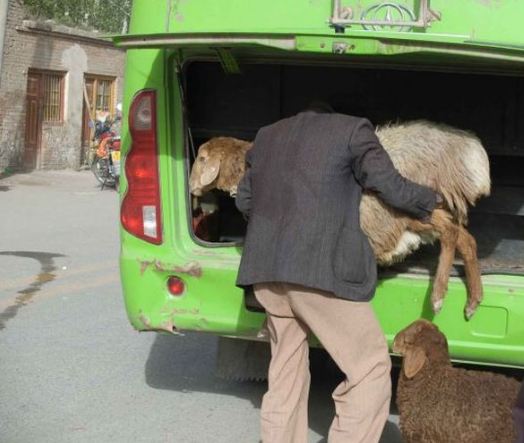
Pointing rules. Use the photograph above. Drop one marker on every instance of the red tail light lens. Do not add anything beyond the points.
(175, 285)
(140, 213)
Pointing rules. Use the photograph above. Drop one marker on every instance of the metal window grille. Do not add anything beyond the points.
(53, 97)
(104, 95)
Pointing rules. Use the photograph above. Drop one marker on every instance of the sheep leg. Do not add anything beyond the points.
(467, 247)
(448, 233)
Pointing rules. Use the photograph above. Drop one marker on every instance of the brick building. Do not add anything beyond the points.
(53, 81)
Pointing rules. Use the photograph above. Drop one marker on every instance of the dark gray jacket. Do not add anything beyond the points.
(301, 193)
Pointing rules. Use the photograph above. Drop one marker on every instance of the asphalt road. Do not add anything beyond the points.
(72, 369)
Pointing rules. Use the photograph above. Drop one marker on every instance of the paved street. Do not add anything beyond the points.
(72, 368)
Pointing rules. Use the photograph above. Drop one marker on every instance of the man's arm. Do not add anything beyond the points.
(375, 171)
(243, 197)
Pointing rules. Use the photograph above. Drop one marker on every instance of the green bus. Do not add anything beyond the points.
(199, 69)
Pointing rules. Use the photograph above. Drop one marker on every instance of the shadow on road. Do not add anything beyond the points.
(46, 275)
(187, 364)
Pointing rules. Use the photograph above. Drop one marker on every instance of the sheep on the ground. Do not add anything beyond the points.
(450, 161)
(518, 415)
(439, 403)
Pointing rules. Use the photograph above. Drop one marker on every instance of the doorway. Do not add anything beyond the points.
(33, 127)
(44, 104)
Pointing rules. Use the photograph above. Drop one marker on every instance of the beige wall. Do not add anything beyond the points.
(27, 46)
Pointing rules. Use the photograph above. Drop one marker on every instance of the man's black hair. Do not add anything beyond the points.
(320, 106)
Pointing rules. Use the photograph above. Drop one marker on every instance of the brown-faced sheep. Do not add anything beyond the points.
(220, 164)
(450, 161)
(438, 403)
(518, 415)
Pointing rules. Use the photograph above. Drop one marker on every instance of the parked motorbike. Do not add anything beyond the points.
(105, 164)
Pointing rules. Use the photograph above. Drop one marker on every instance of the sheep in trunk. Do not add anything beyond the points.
(219, 164)
(450, 161)
(438, 403)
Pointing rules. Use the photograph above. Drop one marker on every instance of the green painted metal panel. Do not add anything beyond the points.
(472, 22)
(211, 302)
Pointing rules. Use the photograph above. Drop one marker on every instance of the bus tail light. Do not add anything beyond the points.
(175, 285)
(140, 213)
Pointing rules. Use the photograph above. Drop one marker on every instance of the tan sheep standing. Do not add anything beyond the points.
(450, 161)
(438, 403)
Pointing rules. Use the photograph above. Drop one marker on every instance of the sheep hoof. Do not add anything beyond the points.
(263, 334)
(437, 306)
(469, 312)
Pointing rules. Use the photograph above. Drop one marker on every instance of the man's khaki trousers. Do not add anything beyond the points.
(350, 332)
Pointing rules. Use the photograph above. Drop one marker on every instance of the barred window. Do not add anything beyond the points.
(53, 100)
(104, 97)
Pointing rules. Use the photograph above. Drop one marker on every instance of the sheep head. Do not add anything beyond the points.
(219, 164)
(421, 343)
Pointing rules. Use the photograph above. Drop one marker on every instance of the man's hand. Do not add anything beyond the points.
(439, 205)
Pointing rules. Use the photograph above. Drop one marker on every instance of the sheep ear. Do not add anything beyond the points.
(414, 361)
(211, 170)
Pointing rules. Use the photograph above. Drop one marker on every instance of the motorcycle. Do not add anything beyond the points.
(105, 164)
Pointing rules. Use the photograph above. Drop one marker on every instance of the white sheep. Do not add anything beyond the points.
(452, 162)
(438, 403)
